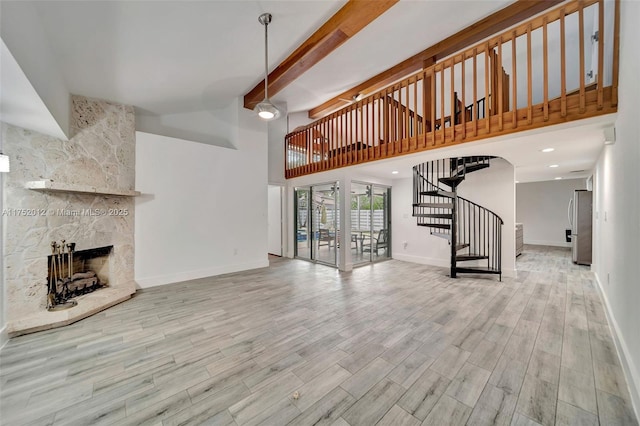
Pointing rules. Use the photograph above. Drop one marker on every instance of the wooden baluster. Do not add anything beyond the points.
(454, 101)
(375, 126)
(309, 148)
(387, 125)
(415, 112)
(487, 115)
(616, 54)
(350, 138)
(475, 110)
(582, 66)
(361, 133)
(463, 106)
(339, 117)
(529, 78)
(425, 93)
(514, 83)
(498, 70)
(395, 121)
(334, 141)
(325, 145)
(365, 129)
(545, 64)
(600, 54)
(563, 66)
(407, 112)
(357, 136)
(442, 95)
(433, 105)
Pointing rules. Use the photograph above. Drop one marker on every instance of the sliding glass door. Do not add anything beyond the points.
(370, 223)
(317, 223)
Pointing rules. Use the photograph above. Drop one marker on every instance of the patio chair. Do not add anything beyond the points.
(379, 242)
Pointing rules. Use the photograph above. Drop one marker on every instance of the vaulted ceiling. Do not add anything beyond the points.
(175, 58)
(167, 57)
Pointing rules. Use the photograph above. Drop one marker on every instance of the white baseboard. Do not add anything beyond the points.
(431, 261)
(628, 365)
(442, 263)
(4, 337)
(200, 273)
(548, 243)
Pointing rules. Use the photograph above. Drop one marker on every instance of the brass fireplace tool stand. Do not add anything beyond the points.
(60, 275)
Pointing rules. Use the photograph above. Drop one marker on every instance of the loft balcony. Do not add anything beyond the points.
(557, 67)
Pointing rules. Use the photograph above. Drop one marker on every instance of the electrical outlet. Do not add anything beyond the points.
(235, 251)
(605, 216)
(405, 244)
(608, 280)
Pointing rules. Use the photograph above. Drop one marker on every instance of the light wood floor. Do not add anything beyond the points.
(389, 344)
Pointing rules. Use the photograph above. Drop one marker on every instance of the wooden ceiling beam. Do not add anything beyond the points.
(492, 24)
(344, 24)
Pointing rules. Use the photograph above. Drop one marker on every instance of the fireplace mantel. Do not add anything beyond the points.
(51, 186)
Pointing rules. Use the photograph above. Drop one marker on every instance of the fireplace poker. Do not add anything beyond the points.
(70, 248)
(51, 298)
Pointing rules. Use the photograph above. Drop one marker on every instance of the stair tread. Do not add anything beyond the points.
(451, 181)
(436, 225)
(471, 256)
(441, 235)
(435, 215)
(470, 168)
(439, 193)
(477, 269)
(435, 205)
(461, 246)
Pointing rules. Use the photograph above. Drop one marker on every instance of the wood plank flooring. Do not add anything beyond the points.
(390, 344)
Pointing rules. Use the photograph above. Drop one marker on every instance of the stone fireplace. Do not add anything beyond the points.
(79, 190)
(73, 273)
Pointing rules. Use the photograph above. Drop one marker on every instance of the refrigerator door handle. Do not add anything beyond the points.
(570, 213)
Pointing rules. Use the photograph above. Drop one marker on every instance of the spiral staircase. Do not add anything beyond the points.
(473, 231)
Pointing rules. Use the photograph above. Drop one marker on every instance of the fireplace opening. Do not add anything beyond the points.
(74, 273)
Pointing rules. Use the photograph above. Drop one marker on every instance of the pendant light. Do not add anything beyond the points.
(265, 109)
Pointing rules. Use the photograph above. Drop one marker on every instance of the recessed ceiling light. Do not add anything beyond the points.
(558, 178)
(395, 172)
(553, 166)
(548, 150)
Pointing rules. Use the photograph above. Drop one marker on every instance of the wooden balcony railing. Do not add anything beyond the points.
(557, 67)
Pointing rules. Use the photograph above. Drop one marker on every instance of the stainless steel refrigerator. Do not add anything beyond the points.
(580, 219)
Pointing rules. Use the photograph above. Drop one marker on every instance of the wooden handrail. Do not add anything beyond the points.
(439, 105)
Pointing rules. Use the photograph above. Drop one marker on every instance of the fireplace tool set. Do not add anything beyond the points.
(63, 282)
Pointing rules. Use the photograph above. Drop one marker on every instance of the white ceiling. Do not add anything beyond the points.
(168, 57)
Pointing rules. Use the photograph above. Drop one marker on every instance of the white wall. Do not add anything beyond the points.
(3, 293)
(542, 209)
(203, 211)
(617, 208)
(274, 218)
(492, 188)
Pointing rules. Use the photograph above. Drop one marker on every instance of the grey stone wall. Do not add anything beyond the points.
(101, 153)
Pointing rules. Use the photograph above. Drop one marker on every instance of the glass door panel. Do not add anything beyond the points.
(302, 223)
(325, 225)
(360, 223)
(381, 223)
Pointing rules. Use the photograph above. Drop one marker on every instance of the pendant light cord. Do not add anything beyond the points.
(266, 61)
